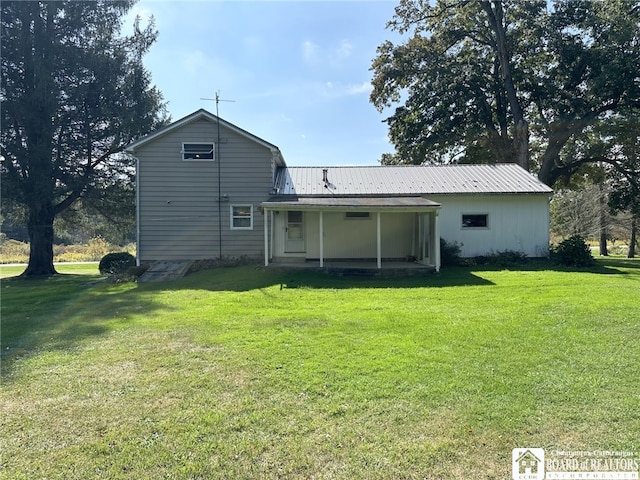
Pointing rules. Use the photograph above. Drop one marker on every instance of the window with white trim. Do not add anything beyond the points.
(241, 217)
(198, 151)
(475, 220)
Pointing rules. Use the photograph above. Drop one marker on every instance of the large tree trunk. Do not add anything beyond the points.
(40, 242)
(632, 242)
(548, 173)
(521, 127)
(521, 143)
(604, 252)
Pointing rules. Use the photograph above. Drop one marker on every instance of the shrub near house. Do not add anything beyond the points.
(573, 252)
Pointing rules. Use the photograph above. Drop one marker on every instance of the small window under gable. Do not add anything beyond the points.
(475, 220)
(198, 151)
(241, 217)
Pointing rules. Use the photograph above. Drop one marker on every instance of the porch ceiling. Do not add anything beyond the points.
(352, 203)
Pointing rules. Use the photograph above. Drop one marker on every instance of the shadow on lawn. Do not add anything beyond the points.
(252, 277)
(621, 262)
(59, 313)
(601, 267)
(246, 278)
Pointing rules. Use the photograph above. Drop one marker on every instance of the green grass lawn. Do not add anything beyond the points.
(246, 373)
(89, 268)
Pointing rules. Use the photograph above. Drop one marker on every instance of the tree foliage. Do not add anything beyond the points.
(508, 81)
(74, 93)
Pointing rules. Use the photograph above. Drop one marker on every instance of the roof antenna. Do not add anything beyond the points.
(218, 100)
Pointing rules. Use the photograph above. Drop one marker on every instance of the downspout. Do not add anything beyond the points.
(137, 211)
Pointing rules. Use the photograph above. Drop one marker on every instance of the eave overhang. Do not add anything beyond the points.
(343, 204)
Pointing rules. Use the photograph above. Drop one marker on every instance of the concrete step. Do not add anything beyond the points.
(166, 270)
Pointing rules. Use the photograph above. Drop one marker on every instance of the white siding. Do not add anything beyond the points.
(516, 222)
(178, 200)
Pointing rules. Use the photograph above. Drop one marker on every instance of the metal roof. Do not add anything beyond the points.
(407, 180)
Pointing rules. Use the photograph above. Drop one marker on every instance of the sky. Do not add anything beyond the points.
(294, 73)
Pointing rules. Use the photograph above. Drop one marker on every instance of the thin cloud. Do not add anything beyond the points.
(344, 50)
(363, 88)
(195, 62)
(310, 51)
(332, 56)
(339, 90)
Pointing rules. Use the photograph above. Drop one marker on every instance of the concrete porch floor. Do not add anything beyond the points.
(356, 268)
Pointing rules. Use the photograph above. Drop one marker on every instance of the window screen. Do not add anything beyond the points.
(241, 217)
(197, 151)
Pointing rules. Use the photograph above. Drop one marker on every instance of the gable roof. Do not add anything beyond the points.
(408, 180)
(200, 115)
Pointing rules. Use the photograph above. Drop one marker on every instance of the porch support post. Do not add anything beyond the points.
(436, 240)
(416, 218)
(272, 233)
(421, 253)
(321, 241)
(378, 241)
(266, 238)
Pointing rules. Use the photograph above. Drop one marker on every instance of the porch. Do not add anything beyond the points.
(352, 233)
(356, 268)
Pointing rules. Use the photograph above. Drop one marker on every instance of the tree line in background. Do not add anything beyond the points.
(553, 86)
(80, 223)
(585, 212)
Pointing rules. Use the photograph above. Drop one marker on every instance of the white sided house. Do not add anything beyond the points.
(207, 189)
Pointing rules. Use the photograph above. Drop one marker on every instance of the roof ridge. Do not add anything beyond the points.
(456, 165)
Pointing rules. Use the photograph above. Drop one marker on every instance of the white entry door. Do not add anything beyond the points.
(294, 236)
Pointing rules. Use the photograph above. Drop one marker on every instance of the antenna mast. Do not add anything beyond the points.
(217, 99)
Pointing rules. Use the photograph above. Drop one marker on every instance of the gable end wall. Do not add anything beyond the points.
(178, 200)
